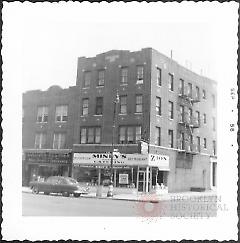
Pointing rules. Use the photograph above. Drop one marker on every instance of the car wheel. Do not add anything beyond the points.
(46, 193)
(65, 194)
(76, 194)
(35, 190)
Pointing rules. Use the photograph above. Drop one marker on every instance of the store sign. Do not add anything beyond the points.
(47, 157)
(123, 178)
(119, 160)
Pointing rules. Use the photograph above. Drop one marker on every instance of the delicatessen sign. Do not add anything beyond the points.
(120, 159)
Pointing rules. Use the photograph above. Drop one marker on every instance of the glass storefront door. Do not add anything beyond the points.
(141, 181)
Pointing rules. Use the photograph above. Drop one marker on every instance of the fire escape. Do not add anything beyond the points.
(187, 121)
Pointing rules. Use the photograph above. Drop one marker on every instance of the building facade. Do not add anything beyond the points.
(158, 117)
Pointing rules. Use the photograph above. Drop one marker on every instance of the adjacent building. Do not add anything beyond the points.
(158, 117)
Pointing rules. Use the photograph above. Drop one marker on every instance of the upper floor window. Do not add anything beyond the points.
(170, 81)
(170, 138)
(87, 79)
(40, 140)
(198, 144)
(182, 141)
(197, 93)
(158, 106)
(198, 117)
(204, 94)
(85, 104)
(204, 118)
(205, 143)
(190, 114)
(139, 103)
(61, 113)
(170, 109)
(42, 114)
(99, 106)
(181, 86)
(129, 134)
(190, 89)
(159, 76)
(59, 140)
(90, 135)
(158, 136)
(101, 78)
(139, 74)
(124, 75)
(181, 110)
(123, 104)
(214, 148)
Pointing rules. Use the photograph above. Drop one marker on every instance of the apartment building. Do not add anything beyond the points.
(157, 117)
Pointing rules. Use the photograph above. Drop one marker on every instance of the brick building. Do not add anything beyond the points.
(122, 98)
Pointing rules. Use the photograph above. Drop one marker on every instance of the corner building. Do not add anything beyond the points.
(158, 116)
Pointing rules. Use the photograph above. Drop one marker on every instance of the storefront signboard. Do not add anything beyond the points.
(123, 178)
(160, 161)
(46, 157)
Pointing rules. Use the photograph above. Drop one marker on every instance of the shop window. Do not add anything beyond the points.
(85, 104)
(59, 140)
(129, 134)
(139, 74)
(42, 114)
(40, 140)
(181, 86)
(170, 81)
(170, 109)
(99, 106)
(123, 104)
(124, 75)
(159, 76)
(87, 79)
(158, 136)
(170, 138)
(101, 78)
(61, 113)
(139, 103)
(158, 106)
(90, 135)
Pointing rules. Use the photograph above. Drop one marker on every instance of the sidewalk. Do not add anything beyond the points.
(151, 197)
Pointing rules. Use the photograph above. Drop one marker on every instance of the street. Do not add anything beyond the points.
(56, 205)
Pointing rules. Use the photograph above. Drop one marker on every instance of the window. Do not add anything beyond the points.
(139, 74)
(189, 89)
(204, 118)
(181, 87)
(181, 109)
(87, 79)
(90, 135)
(182, 141)
(158, 136)
(158, 106)
(214, 124)
(42, 114)
(190, 113)
(159, 77)
(139, 104)
(59, 140)
(214, 148)
(198, 144)
(99, 106)
(85, 103)
(40, 140)
(124, 75)
(170, 138)
(101, 78)
(198, 117)
(123, 104)
(204, 94)
(170, 81)
(170, 109)
(205, 143)
(129, 134)
(197, 93)
(61, 113)
(213, 101)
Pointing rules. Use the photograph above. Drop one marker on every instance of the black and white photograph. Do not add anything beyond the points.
(119, 121)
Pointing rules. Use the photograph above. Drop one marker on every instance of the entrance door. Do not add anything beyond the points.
(141, 181)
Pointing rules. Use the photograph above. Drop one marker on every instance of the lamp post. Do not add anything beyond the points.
(110, 189)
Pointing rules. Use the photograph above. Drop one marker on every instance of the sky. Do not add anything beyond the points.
(50, 37)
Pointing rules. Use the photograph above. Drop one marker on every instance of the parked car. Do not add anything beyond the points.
(59, 184)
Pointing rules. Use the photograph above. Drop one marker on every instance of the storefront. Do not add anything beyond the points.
(139, 171)
(40, 164)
